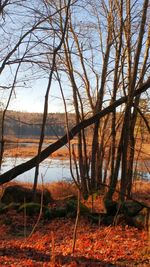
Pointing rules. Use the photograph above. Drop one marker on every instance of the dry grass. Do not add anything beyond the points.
(16, 140)
(13, 149)
(21, 152)
(62, 189)
(141, 186)
(32, 151)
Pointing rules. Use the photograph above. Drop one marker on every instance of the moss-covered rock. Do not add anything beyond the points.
(131, 208)
(19, 194)
(48, 215)
(141, 220)
(71, 208)
(30, 208)
(2, 205)
(95, 217)
(58, 212)
(6, 207)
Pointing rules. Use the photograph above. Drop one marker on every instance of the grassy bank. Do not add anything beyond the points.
(28, 148)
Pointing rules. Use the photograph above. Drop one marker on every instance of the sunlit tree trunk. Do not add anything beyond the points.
(95, 141)
(126, 180)
(118, 46)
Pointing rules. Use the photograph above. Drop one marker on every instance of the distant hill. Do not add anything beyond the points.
(24, 124)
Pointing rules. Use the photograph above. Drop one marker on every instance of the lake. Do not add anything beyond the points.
(51, 169)
(59, 169)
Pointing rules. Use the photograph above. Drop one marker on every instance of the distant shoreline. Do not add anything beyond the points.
(28, 147)
(31, 151)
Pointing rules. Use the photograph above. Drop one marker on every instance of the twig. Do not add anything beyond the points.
(41, 210)
(52, 262)
(76, 223)
(25, 219)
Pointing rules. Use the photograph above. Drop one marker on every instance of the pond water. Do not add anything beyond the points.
(51, 169)
(58, 169)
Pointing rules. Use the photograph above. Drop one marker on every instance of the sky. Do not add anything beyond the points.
(29, 95)
(27, 100)
(31, 98)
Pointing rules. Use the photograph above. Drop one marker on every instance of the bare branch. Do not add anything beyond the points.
(14, 172)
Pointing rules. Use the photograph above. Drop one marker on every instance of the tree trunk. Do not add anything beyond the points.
(14, 172)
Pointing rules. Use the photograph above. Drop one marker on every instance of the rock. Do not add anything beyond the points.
(142, 219)
(19, 194)
(111, 207)
(131, 208)
(2, 206)
(59, 212)
(71, 208)
(30, 208)
(6, 207)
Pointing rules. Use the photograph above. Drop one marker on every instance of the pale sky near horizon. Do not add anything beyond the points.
(29, 101)
(31, 98)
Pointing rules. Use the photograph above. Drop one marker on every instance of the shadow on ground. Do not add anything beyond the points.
(41, 257)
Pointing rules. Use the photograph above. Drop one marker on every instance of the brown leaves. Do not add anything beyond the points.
(95, 246)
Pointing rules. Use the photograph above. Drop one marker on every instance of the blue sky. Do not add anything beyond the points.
(32, 80)
(30, 96)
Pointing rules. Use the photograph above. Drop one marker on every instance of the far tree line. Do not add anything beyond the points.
(28, 125)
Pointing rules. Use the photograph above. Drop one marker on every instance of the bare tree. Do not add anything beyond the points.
(14, 172)
(104, 59)
(55, 52)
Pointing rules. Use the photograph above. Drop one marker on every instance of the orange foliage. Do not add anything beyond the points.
(95, 246)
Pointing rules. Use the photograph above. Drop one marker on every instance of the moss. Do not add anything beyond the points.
(48, 215)
(58, 212)
(94, 217)
(71, 208)
(2, 205)
(4, 208)
(31, 208)
(131, 208)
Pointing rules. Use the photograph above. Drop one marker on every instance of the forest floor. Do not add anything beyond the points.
(52, 241)
(51, 244)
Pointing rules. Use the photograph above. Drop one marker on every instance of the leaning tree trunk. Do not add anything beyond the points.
(28, 165)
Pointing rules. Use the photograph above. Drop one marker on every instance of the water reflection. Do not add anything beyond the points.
(51, 169)
(58, 169)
